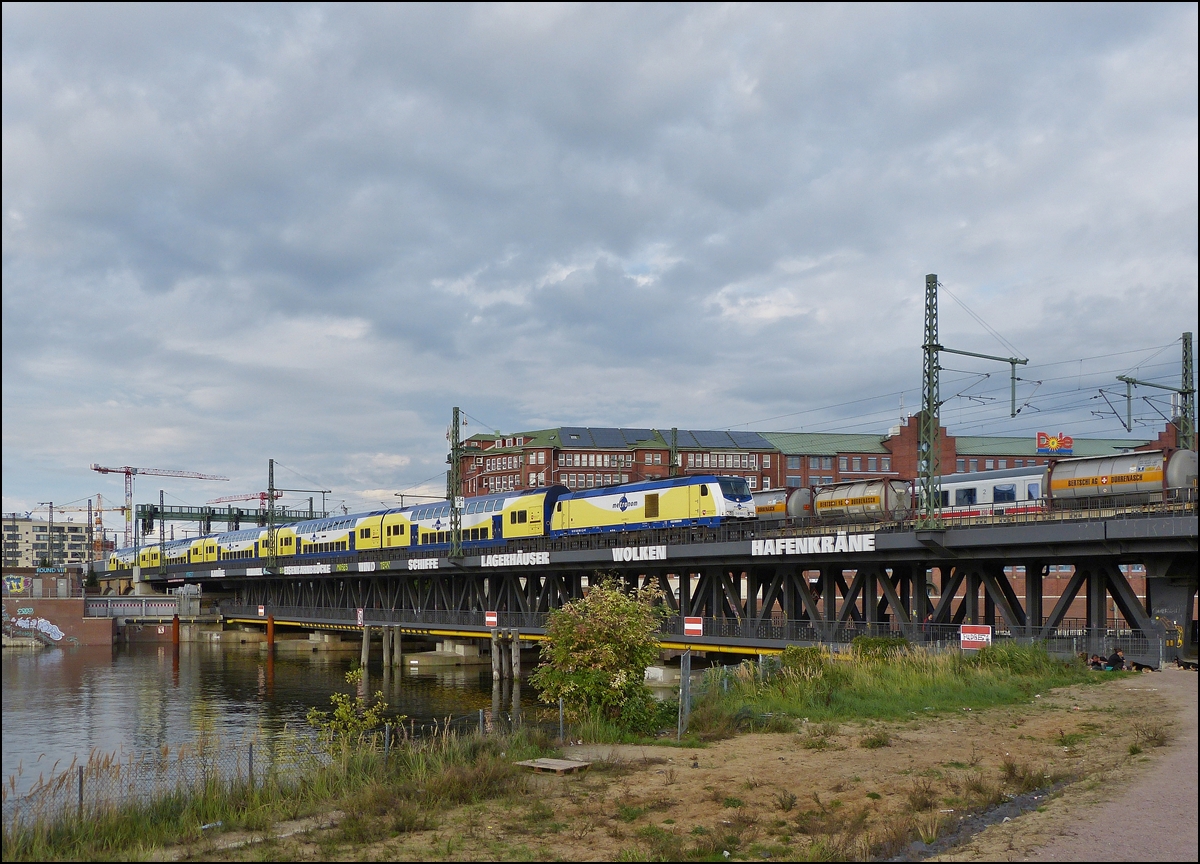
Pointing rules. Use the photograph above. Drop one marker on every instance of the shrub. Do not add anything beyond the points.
(878, 647)
(596, 654)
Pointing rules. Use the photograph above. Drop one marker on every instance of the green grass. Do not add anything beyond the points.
(894, 686)
(382, 798)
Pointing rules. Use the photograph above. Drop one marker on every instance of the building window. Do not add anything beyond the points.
(794, 481)
(827, 464)
(843, 463)
(961, 466)
(1002, 463)
(766, 483)
(886, 463)
(753, 481)
(857, 463)
(649, 458)
(872, 463)
(814, 461)
(989, 464)
(1018, 463)
(793, 463)
(657, 458)
(974, 464)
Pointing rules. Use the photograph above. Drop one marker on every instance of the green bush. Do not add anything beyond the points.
(878, 646)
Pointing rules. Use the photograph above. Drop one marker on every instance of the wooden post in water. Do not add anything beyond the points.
(385, 638)
(175, 630)
(516, 655)
(397, 653)
(270, 633)
(366, 647)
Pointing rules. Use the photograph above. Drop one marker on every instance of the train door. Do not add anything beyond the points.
(353, 537)
(498, 526)
(706, 506)
(414, 534)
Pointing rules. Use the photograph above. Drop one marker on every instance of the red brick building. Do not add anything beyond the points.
(586, 457)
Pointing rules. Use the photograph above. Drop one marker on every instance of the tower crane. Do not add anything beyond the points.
(129, 473)
(251, 496)
(95, 514)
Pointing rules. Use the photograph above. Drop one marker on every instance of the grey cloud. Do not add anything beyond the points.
(237, 231)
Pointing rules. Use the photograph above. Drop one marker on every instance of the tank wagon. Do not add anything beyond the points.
(1140, 477)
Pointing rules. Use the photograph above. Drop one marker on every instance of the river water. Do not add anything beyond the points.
(65, 703)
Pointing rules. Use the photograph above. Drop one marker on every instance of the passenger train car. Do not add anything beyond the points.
(489, 520)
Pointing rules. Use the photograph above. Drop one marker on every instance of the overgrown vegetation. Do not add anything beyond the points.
(878, 679)
(382, 797)
(596, 654)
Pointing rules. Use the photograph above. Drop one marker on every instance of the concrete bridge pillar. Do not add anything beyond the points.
(385, 638)
(366, 647)
(397, 651)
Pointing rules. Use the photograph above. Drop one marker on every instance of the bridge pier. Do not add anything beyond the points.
(397, 650)
(385, 637)
(366, 649)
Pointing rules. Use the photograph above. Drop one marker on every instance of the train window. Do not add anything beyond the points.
(558, 507)
(1034, 491)
(703, 489)
(964, 497)
(1006, 492)
(652, 506)
(945, 497)
(522, 515)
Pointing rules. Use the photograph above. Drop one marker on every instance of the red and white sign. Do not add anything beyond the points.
(693, 626)
(262, 611)
(360, 617)
(972, 637)
(490, 619)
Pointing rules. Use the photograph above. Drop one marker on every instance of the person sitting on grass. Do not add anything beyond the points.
(1116, 661)
(1096, 662)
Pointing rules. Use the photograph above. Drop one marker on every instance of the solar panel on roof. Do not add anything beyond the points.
(575, 436)
(709, 438)
(750, 441)
(607, 437)
(687, 439)
(633, 436)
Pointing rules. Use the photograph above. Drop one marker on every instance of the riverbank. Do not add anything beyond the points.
(786, 796)
(831, 789)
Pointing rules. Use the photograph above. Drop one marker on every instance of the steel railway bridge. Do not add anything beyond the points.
(757, 589)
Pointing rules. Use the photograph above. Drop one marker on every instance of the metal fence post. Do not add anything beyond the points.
(250, 764)
(81, 791)
(387, 740)
(481, 722)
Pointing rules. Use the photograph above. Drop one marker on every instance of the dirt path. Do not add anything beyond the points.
(1132, 815)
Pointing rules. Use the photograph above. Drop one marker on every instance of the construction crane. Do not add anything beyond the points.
(96, 515)
(129, 472)
(251, 496)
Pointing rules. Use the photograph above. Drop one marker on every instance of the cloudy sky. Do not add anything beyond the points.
(305, 232)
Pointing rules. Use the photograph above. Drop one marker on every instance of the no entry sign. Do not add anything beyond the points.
(972, 637)
(693, 626)
(490, 619)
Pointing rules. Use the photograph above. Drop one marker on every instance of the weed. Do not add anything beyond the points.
(1069, 739)
(628, 813)
(785, 801)
(1134, 749)
(670, 777)
(1150, 732)
(874, 796)
(923, 796)
(733, 802)
(875, 740)
(752, 782)
(1022, 775)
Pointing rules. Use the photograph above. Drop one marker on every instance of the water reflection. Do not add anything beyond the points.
(60, 704)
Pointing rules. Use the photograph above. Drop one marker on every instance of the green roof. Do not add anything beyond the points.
(1026, 445)
(824, 443)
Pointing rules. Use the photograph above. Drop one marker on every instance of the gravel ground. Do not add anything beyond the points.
(1153, 818)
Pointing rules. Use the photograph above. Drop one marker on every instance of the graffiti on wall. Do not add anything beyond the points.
(15, 584)
(38, 625)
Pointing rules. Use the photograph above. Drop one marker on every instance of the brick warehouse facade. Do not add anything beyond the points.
(587, 457)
